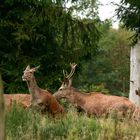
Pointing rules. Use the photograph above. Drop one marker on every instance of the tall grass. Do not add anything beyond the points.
(29, 125)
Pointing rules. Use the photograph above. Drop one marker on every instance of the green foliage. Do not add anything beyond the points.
(24, 125)
(20, 121)
(86, 8)
(129, 13)
(95, 88)
(98, 88)
(41, 32)
(115, 52)
(110, 66)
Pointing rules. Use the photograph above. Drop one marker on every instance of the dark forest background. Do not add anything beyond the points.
(52, 35)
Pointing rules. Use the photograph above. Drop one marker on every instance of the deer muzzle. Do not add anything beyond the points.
(23, 78)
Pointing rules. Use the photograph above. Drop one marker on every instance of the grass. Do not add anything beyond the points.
(29, 125)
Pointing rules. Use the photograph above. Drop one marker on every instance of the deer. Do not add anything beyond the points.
(94, 103)
(22, 100)
(40, 99)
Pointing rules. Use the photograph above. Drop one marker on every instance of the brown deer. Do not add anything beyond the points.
(24, 100)
(40, 98)
(94, 103)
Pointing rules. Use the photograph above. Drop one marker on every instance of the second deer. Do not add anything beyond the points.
(40, 98)
(93, 103)
(21, 99)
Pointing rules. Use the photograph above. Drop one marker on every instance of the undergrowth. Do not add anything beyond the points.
(30, 125)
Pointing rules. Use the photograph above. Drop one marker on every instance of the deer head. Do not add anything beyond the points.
(28, 73)
(65, 89)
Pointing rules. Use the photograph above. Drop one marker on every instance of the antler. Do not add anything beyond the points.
(68, 76)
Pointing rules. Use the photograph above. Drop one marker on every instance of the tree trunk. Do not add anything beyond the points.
(135, 74)
(2, 113)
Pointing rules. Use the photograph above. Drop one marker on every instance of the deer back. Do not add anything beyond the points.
(24, 100)
(98, 103)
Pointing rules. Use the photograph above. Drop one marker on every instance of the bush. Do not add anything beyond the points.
(95, 88)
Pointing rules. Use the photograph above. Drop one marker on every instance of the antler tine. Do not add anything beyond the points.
(64, 73)
(73, 66)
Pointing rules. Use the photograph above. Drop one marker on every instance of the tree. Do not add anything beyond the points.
(42, 32)
(129, 14)
(108, 70)
(135, 74)
(2, 113)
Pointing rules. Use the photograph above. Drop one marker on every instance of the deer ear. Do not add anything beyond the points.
(36, 68)
(27, 68)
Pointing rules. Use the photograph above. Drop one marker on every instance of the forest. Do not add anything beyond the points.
(53, 35)
(46, 33)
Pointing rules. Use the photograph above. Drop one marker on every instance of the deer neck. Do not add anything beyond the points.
(33, 88)
(78, 99)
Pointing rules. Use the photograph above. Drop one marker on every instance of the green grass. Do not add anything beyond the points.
(28, 125)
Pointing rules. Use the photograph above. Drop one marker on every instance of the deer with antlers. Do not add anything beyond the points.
(40, 98)
(94, 103)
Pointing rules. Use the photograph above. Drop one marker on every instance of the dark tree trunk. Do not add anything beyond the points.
(2, 112)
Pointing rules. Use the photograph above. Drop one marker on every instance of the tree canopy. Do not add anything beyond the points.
(108, 71)
(129, 13)
(42, 33)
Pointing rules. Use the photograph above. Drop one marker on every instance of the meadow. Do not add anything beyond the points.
(31, 125)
